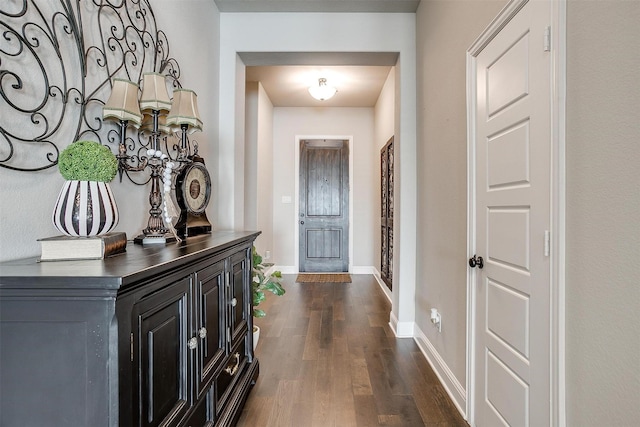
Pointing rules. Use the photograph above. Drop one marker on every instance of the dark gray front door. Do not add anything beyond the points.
(324, 205)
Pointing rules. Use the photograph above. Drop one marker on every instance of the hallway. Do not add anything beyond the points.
(329, 358)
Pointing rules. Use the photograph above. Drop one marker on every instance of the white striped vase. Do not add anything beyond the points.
(85, 208)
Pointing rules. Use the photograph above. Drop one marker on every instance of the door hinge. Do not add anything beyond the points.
(547, 39)
(131, 345)
(229, 335)
(547, 243)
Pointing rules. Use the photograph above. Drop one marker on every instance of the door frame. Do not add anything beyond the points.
(298, 138)
(557, 202)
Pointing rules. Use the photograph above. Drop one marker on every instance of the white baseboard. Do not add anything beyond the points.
(401, 329)
(285, 269)
(364, 269)
(292, 269)
(393, 323)
(383, 286)
(405, 329)
(454, 389)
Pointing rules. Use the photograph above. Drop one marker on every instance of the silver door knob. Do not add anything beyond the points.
(192, 343)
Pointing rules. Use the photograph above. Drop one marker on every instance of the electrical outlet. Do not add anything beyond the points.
(436, 319)
(267, 254)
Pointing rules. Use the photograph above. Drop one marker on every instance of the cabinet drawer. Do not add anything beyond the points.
(233, 369)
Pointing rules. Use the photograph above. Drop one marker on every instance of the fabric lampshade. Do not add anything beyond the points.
(184, 110)
(147, 124)
(154, 93)
(123, 103)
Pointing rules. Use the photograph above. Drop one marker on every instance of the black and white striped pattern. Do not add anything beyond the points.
(85, 208)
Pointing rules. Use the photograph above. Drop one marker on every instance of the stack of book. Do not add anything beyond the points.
(60, 248)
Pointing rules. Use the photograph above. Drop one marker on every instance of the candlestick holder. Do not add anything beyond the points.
(123, 106)
(156, 230)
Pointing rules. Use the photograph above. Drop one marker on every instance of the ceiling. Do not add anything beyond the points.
(287, 85)
(361, 6)
(286, 77)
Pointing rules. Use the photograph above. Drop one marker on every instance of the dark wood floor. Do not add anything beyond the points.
(328, 358)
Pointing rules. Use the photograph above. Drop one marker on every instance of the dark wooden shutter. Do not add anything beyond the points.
(386, 256)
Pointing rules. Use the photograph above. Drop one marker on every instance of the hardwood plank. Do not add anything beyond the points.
(285, 362)
(323, 409)
(282, 408)
(305, 401)
(329, 358)
(366, 411)
(342, 395)
(312, 341)
(326, 327)
(385, 380)
(423, 368)
(451, 415)
(278, 320)
(338, 305)
(400, 409)
(360, 378)
(390, 420)
(256, 411)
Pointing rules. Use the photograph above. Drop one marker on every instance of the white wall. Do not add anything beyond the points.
(445, 32)
(28, 198)
(264, 173)
(385, 110)
(322, 32)
(602, 197)
(384, 123)
(251, 156)
(358, 123)
(196, 48)
(603, 214)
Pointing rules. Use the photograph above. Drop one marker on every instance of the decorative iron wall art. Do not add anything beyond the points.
(57, 62)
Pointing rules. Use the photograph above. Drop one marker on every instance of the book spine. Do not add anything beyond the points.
(114, 244)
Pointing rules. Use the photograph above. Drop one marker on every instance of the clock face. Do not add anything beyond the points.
(196, 188)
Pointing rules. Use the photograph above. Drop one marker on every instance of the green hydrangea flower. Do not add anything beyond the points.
(87, 161)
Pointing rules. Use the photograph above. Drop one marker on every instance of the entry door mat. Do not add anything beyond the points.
(323, 278)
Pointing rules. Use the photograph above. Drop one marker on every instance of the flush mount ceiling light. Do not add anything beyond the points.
(322, 91)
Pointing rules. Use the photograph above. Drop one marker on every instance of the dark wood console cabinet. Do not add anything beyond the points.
(156, 336)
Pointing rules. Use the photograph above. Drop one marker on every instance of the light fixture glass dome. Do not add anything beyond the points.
(322, 91)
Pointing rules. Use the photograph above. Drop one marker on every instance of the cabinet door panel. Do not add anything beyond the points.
(162, 355)
(210, 323)
(239, 306)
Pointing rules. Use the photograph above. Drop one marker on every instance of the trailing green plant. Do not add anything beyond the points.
(87, 161)
(261, 282)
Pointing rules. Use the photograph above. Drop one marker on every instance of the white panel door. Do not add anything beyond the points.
(512, 189)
